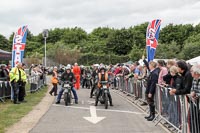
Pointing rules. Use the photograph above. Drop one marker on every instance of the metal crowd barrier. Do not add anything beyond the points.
(5, 90)
(168, 108)
(35, 84)
(133, 87)
(180, 112)
(177, 113)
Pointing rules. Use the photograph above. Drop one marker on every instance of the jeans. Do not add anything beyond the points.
(61, 92)
(15, 88)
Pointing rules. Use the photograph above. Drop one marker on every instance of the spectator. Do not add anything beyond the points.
(163, 71)
(195, 94)
(151, 87)
(186, 82)
(167, 78)
(54, 81)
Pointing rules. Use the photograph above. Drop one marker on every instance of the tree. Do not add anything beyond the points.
(120, 42)
(167, 51)
(4, 43)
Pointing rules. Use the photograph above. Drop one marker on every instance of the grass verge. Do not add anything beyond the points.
(11, 113)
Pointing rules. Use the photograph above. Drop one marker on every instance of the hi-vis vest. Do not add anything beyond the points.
(14, 74)
(23, 75)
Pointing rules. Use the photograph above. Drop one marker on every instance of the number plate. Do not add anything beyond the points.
(104, 86)
(66, 85)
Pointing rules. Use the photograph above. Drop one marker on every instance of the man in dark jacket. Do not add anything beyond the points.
(67, 76)
(151, 89)
(186, 81)
(95, 78)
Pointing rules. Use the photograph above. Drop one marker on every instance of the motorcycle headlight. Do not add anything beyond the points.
(66, 85)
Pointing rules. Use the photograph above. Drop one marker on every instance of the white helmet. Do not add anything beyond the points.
(67, 68)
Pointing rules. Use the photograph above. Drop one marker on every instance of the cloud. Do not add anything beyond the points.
(90, 14)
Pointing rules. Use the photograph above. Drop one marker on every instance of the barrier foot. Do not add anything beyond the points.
(158, 120)
(2, 100)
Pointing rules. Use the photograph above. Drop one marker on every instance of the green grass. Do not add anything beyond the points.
(11, 113)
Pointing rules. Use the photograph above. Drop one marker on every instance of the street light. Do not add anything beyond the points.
(45, 35)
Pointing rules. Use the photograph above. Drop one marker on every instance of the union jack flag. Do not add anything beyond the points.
(152, 36)
(19, 42)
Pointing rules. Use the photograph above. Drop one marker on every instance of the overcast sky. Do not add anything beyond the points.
(90, 14)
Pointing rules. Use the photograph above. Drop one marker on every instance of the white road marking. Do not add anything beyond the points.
(91, 102)
(82, 102)
(106, 110)
(93, 119)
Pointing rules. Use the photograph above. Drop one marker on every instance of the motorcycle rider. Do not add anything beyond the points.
(67, 76)
(102, 76)
(94, 75)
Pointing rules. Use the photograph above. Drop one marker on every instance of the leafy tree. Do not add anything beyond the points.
(4, 43)
(167, 51)
(120, 42)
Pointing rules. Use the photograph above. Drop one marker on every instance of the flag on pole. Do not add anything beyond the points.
(152, 36)
(19, 42)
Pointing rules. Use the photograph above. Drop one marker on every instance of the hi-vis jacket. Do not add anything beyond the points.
(14, 75)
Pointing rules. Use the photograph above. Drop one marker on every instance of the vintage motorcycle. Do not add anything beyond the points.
(67, 86)
(103, 98)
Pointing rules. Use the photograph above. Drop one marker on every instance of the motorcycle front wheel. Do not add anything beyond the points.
(106, 100)
(66, 97)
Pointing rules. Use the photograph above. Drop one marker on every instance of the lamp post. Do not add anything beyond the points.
(45, 35)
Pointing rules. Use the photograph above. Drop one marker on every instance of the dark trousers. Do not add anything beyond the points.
(150, 102)
(15, 87)
(100, 91)
(92, 90)
(54, 89)
(22, 91)
(83, 82)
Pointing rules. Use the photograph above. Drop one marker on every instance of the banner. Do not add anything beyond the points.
(19, 42)
(152, 35)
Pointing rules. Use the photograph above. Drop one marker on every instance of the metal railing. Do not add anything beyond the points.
(177, 113)
(36, 83)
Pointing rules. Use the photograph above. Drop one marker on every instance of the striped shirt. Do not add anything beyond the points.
(196, 86)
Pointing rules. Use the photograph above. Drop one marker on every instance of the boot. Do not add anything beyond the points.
(96, 103)
(111, 103)
(147, 117)
(58, 102)
(152, 117)
(110, 99)
(152, 110)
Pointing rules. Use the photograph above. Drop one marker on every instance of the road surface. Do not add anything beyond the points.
(84, 117)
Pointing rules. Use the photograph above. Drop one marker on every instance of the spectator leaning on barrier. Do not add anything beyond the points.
(167, 78)
(8, 67)
(173, 106)
(163, 71)
(195, 94)
(151, 88)
(187, 79)
(117, 72)
(3, 73)
(195, 90)
(144, 73)
(34, 81)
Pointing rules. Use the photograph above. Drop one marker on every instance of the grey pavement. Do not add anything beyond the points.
(123, 117)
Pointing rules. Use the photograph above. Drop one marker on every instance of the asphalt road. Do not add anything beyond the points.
(84, 117)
